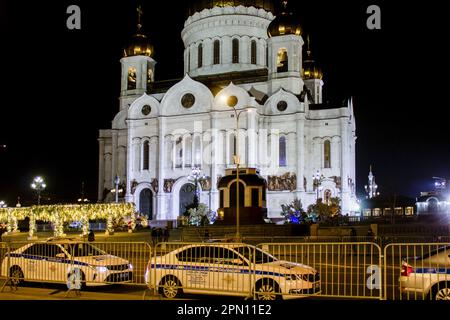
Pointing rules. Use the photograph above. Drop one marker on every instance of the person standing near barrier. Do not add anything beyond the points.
(370, 235)
(159, 234)
(91, 236)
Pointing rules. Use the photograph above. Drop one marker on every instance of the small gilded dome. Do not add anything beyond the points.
(284, 24)
(139, 46)
(310, 68)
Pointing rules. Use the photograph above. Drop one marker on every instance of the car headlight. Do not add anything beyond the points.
(130, 266)
(101, 269)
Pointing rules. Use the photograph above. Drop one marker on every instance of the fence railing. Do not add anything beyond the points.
(304, 268)
(76, 264)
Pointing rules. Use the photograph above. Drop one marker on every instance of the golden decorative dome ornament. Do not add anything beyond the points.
(139, 44)
(310, 68)
(284, 24)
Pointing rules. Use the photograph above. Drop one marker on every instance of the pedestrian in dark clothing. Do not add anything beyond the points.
(166, 234)
(206, 234)
(91, 236)
(370, 235)
(154, 236)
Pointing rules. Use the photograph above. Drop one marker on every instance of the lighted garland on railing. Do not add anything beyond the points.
(60, 214)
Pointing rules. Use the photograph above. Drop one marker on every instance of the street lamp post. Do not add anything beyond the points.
(232, 101)
(38, 185)
(318, 178)
(196, 176)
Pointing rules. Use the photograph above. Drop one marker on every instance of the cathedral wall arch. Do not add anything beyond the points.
(136, 108)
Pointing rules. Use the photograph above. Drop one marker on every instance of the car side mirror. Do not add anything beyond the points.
(61, 256)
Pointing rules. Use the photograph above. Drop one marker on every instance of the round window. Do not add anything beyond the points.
(232, 101)
(146, 110)
(282, 106)
(188, 100)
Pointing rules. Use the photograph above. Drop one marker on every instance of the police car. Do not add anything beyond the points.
(230, 269)
(427, 276)
(59, 261)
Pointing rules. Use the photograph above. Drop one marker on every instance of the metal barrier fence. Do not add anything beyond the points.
(74, 263)
(3, 252)
(418, 271)
(346, 270)
(267, 271)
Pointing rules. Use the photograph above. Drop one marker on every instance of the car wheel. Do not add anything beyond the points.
(16, 275)
(441, 291)
(170, 287)
(267, 289)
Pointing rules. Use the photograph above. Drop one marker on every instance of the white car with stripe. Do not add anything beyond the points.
(230, 269)
(427, 276)
(59, 262)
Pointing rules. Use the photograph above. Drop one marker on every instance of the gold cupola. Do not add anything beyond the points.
(139, 44)
(310, 68)
(284, 24)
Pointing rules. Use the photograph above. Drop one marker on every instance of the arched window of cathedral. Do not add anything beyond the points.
(282, 61)
(327, 154)
(188, 152)
(146, 156)
(235, 50)
(200, 55)
(282, 151)
(217, 52)
(253, 51)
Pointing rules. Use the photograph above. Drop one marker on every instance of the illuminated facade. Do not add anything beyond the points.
(166, 128)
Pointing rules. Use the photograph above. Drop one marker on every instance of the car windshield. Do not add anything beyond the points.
(83, 250)
(434, 252)
(260, 256)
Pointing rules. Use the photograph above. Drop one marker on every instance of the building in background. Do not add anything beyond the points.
(237, 50)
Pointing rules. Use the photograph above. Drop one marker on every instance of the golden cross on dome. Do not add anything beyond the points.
(140, 14)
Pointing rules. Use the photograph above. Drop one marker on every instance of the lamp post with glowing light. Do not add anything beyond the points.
(232, 102)
(38, 185)
(196, 176)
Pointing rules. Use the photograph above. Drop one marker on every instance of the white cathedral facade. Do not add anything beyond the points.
(244, 54)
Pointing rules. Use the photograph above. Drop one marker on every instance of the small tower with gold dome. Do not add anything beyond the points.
(285, 51)
(312, 76)
(138, 66)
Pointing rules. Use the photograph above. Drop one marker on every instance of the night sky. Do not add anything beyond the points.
(59, 87)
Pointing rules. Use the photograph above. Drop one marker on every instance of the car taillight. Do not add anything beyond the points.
(406, 270)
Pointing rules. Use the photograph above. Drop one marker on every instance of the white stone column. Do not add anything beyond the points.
(129, 167)
(207, 53)
(300, 153)
(252, 140)
(226, 51)
(159, 214)
(215, 153)
(101, 168)
(114, 151)
(245, 50)
(345, 157)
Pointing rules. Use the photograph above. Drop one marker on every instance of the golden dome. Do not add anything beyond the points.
(139, 44)
(310, 68)
(284, 24)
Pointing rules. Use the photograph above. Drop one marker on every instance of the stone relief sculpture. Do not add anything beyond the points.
(206, 184)
(155, 185)
(286, 182)
(168, 185)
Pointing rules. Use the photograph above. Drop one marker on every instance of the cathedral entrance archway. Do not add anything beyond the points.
(146, 203)
(187, 193)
